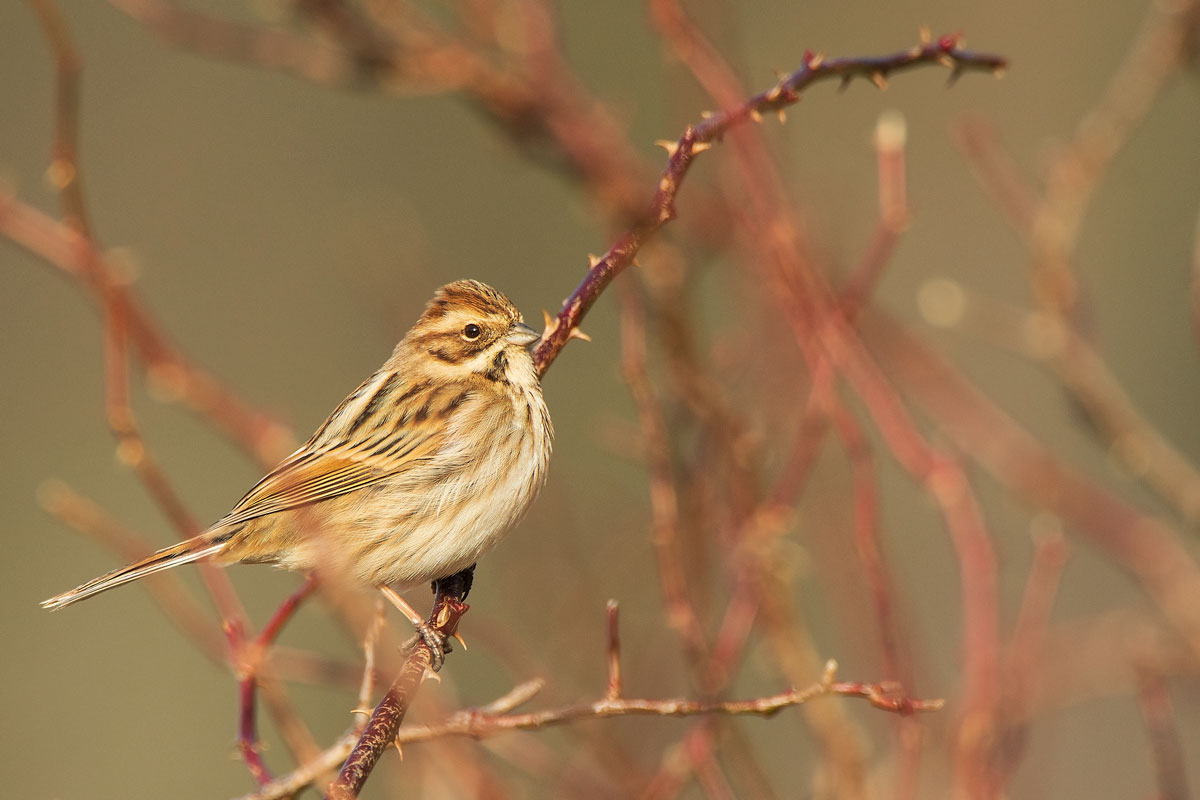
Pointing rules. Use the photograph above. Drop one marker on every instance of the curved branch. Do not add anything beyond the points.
(699, 137)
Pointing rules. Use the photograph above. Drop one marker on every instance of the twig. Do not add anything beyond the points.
(1024, 654)
(885, 696)
(614, 653)
(1170, 764)
(367, 686)
(699, 137)
(249, 660)
(664, 499)
(866, 541)
(890, 138)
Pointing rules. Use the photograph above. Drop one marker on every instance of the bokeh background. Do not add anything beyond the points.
(287, 234)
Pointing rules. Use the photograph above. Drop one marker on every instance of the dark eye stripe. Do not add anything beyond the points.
(444, 355)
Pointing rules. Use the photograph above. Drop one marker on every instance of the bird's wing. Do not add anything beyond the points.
(311, 475)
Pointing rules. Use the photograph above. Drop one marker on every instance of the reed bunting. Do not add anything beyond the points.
(418, 473)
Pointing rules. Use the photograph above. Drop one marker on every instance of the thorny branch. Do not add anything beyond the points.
(699, 137)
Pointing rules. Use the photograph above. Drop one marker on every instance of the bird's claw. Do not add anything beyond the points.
(437, 643)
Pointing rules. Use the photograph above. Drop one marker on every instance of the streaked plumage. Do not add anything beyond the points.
(413, 477)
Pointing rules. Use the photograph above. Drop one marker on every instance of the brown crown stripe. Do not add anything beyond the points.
(470, 295)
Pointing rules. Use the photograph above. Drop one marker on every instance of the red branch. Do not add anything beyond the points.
(249, 659)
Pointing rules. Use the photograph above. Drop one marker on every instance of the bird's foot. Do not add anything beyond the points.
(438, 644)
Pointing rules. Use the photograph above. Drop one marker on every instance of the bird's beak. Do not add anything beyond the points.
(521, 334)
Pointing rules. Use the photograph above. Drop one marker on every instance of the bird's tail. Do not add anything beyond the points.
(194, 549)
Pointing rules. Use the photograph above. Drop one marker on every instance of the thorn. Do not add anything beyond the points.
(946, 61)
(668, 145)
(845, 84)
(398, 748)
(782, 114)
(955, 74)
(578, 334)
(999, 72)
(666, 184)
(707, 114)
(879, 81)
(593, 260)
(458, 638)
(700, 147)
(755, 115)
(366, 712)
(431, 675)
(816, 61)
(830, 673)
(551, 324)
(925, 34)
(774, 94)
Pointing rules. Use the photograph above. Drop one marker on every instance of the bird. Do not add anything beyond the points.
(418, 473)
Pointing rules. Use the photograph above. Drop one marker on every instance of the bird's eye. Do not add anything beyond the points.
(471, 332)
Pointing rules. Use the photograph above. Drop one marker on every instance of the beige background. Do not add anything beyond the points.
(288, 235)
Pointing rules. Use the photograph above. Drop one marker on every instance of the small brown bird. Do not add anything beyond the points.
(418, 473)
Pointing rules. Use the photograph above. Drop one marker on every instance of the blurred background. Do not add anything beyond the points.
(285, 234)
